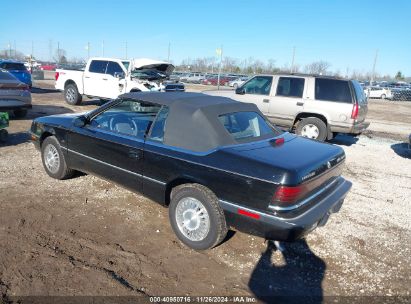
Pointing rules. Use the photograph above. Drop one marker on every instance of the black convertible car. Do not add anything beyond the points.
(216, 163)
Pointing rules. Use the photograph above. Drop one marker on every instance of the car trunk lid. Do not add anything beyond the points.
(300, 158)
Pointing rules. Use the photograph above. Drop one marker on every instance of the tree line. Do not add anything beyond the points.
(249, 66)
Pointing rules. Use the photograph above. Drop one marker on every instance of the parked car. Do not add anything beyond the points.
(48, 67)
(238, 82)
(193, 78)
(409, 143)
(18, 70)
(224, 80)
(378, 92)
(316, 107)
(107, 78)
(15, 96)
(216, 163)
(402, 94)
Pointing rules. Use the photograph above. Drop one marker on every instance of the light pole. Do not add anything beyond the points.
(292, 62)
(373, 68)
(126, 50)
(219, 52)
(168, 55)
(88, 50)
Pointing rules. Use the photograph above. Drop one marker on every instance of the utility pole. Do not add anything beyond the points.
(292, 61)
(9, 49)
(50, 50)
(219, 52)
(15, 50)
(102, 48)
(126, 50)
(168, 56)
(58, 51)
(373, 67)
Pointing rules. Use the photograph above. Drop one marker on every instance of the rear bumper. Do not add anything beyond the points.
(360, 127)
(276, 227)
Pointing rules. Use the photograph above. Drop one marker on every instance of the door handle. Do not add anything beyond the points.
(134, 154)
(300, 103)
(266, 100)
(86, 76)
(104, 78)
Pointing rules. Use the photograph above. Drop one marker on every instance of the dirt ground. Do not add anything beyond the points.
(86, 236)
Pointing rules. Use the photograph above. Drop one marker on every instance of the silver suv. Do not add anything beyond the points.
(316, 107)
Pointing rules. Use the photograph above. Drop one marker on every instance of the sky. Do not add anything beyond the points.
(345, 33)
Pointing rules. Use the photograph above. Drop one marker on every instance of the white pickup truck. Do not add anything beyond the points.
(107, 78)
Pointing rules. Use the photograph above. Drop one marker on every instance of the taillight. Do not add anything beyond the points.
(286, 195)
(354, 113)
(56, 75)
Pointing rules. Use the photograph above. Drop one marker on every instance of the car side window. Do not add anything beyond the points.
(113, 67)
(290, 87)
(98, 66)
(260, 85)
(127, 117)
(159, 125)
(332, 90)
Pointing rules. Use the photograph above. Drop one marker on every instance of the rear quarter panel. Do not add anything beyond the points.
(338, 114)
(67, 75)
(166, 166)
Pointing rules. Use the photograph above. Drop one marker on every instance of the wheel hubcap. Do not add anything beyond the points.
(310, 131)
(70, 94)
(192, 219)
(51, 158)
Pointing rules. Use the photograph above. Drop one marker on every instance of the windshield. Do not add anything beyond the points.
(248, 126)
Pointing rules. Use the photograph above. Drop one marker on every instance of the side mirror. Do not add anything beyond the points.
(240, 91)
(119, 75)
(80, 121)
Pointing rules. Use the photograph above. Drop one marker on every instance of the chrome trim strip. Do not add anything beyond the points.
(118, 168)
(305, 201)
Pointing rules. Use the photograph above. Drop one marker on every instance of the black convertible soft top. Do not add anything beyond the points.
(192, 122)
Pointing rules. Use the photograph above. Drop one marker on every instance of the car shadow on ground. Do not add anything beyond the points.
(344, 140)
(297, 279)
(402, 150)
(14, 139)
(36, 90)
(45, 110)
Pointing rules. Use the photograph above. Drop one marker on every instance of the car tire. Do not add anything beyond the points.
(198, 231)
(72, 95)
(53, 159)
(235, 86)
(20, 113)
(383, 96)
(312, 127)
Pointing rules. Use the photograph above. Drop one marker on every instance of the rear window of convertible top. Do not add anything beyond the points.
(248, 126)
